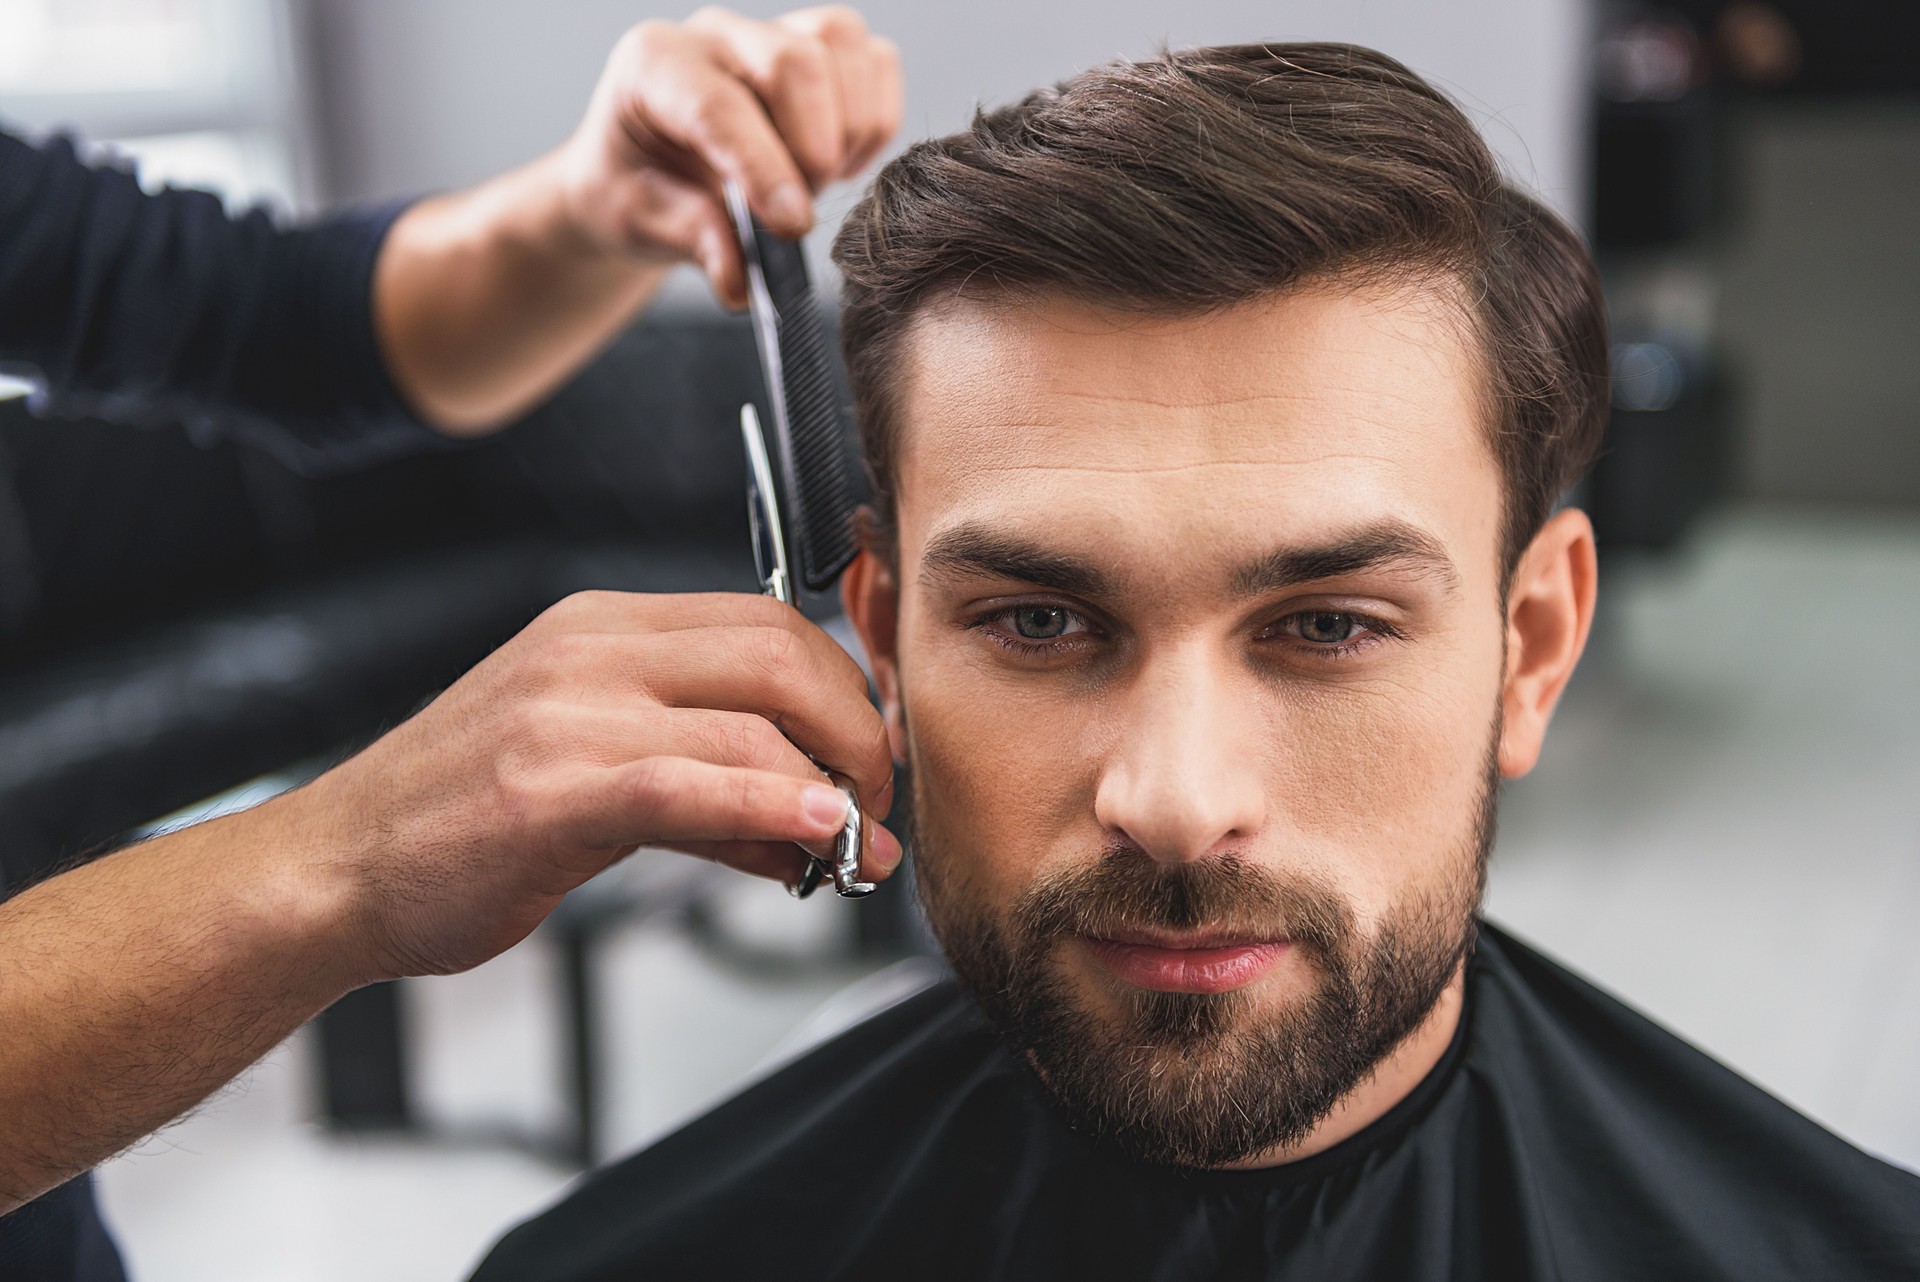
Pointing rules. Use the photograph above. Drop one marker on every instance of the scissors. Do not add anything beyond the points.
(776, 581)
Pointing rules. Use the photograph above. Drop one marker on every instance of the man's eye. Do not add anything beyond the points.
(1042, 622)
(1326, 627)
(1331, 629)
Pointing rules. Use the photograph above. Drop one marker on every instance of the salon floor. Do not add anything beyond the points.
(1726, 831)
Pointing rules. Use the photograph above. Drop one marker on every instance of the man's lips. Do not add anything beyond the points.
(1199, 963)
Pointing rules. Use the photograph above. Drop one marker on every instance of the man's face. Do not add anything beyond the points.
(1198, 669)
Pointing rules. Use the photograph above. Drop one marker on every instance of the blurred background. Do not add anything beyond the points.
(1725, 831)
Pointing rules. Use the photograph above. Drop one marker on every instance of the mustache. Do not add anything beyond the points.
(1127, 889)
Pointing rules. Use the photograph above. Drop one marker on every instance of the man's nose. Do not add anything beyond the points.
(1183, 779)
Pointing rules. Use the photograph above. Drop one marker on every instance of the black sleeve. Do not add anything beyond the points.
(162, 308)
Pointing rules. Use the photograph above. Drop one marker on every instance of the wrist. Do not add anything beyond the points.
(303, 895)
(486, 300)
(525, 218)
(539, 212)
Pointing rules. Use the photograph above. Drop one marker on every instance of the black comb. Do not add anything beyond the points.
(814, 463)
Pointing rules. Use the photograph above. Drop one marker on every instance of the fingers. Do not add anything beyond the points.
(782, 108)
(783, 861)
(752, 656)
(806, 686)
(744, 740)
(831, 87)
(658, 207)
(665, 801)
(780, 861)
(628, 612)
(724, 811)
(610, 734)
(732, 739)
(867, 70)
(696, 100)
(797, 78)
(604, 739)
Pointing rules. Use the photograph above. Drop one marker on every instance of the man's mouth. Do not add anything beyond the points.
(1196, 962)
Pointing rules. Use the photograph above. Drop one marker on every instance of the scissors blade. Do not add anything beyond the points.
(763, 512)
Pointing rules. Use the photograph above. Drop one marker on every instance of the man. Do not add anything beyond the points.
(1218, 405)
(134, 986)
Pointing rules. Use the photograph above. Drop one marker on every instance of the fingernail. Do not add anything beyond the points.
(791, 206)
(886, 849)
(825, 806)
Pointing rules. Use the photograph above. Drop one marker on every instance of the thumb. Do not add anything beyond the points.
(660, 211)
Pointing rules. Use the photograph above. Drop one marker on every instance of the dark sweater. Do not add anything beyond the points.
(163, 308)
(150, 309)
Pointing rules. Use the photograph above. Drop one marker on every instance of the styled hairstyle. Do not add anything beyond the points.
(1205, 178)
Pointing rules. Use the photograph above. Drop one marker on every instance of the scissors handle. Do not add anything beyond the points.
(843, 866)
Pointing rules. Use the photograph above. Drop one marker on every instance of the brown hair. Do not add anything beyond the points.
(1211, 177)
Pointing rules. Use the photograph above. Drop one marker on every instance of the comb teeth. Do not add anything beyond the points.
(826, 486)
(824, 478)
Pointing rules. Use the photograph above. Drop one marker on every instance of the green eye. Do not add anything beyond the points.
(1326, 627)
(1040, 622)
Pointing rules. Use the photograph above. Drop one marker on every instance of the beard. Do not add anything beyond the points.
(1207, 1079)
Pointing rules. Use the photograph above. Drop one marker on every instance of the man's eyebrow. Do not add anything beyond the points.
(978, 549)
(981, 550)
(1390, 543)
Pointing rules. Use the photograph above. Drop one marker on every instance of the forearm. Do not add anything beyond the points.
(134, 987)
(486, 300)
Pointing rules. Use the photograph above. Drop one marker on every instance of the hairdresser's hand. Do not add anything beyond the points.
(782, 107)
(614, 721)
(486, 300)
(149, 977)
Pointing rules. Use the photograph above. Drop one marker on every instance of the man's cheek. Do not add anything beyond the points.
(996, 778)
(1381, 783)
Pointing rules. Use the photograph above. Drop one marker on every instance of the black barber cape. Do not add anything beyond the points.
(1561, 1136)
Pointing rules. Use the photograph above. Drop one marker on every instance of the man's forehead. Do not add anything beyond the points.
(1319, 408)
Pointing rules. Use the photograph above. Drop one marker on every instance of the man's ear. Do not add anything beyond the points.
(872, 602)
(1549, 612)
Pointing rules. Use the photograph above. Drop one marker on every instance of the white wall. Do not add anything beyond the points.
(203, 93)
(427, 94)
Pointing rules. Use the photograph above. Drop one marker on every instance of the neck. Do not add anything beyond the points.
(1391, 1081)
